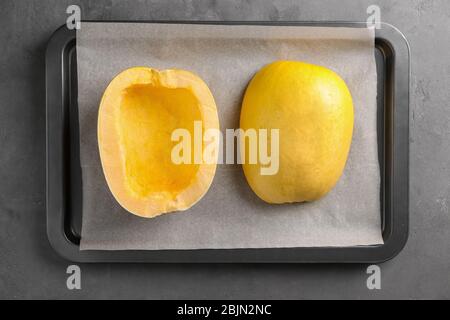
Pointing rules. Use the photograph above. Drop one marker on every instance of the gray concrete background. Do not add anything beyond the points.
(30, 269)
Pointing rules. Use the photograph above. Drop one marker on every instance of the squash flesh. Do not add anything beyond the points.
(147, 117)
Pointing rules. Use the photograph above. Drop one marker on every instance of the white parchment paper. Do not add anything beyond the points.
(231, 215)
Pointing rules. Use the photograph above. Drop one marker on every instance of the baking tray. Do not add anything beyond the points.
(64, 194)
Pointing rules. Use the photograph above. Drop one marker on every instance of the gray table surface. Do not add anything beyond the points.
(29, 268)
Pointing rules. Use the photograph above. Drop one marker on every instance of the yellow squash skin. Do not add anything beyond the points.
(139, 110)
(313, 110)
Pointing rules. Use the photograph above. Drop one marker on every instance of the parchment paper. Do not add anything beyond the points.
(231, 215)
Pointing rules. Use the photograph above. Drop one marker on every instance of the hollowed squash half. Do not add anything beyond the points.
(138, 113)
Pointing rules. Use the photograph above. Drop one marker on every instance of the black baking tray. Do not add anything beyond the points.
(64, 211)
